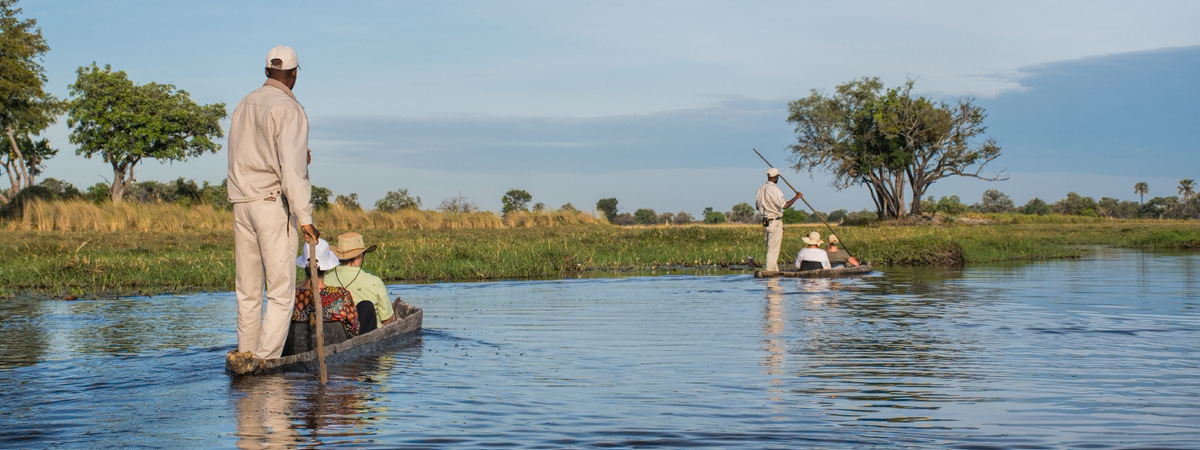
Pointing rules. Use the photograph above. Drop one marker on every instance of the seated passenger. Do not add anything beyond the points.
(837, 256)
(368, 290)
(336, 302)
(812, 257)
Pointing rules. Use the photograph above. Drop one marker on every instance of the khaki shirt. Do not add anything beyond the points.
(363, 287)
(769, 201)
(268, 150)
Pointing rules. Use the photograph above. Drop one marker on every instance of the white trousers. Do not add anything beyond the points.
(264, 248)
(774, 235)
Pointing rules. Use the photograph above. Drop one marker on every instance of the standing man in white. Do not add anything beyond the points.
(770, 204)
(269, 188)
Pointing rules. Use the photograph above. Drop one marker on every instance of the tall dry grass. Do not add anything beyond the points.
(75, 215)
(340, 218)
(524, 219)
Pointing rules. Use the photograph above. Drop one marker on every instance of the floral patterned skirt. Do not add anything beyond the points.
(338, 306)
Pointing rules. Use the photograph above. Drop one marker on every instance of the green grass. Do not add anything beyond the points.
(94, 263)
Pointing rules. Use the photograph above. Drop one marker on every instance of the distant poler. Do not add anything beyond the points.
(770, 204)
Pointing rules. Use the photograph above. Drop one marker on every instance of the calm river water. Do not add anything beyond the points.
(1102, 352)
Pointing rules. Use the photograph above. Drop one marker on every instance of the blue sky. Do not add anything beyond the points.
(655, 103)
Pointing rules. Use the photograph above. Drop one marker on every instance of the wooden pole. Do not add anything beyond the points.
(810, 208)
(318, 316)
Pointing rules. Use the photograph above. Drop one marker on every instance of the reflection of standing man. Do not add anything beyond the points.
(770, 204)
(268, 175)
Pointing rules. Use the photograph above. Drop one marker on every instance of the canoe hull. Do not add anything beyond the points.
(823, 273)
(388, 336)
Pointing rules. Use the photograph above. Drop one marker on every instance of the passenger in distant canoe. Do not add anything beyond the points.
(839, 257)
(812, 257)
(770, 204)
(336, 302)
(374, 308)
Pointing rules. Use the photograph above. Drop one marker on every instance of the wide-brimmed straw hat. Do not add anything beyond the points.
(813, 238)
(350, 245)
(325, 258)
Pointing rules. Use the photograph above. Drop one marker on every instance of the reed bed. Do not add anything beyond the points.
(126, 262)
(76, 215)
(338, 217)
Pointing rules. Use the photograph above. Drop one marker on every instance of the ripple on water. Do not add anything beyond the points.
(1095, 353)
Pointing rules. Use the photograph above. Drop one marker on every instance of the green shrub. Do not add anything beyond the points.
(860, 218)
(791, 215)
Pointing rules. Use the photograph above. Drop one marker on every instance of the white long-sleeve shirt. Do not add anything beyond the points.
(769, 201)
(268, 150)
(813, 254)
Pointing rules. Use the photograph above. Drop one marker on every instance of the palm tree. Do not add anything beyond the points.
(1185, 191)
(1141, 188)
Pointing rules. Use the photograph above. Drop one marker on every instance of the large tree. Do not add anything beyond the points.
(889, 141)
(26, 108)
(125, 123)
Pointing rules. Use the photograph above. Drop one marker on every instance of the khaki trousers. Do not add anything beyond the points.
(264, 250)
(774, 235)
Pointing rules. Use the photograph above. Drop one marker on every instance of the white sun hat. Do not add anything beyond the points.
(284, 54)
(813, 238)
(325, 258)
(772, 172)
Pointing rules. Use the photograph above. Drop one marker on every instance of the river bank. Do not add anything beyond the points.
(91, 263)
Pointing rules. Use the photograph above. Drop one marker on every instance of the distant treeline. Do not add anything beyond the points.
(994, 201)
(186, 192)
(183, 192)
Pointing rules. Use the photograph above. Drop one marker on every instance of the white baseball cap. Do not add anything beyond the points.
(285, 54)
(772, 172)
(325, 258)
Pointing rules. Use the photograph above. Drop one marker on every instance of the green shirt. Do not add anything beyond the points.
(838, 257)
(363, 287)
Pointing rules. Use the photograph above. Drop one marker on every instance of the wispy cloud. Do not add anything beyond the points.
(717, 135)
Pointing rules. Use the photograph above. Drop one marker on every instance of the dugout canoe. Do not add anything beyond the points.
(823, 273)
(400, 331)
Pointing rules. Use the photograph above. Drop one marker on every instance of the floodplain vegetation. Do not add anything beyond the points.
(70, 249)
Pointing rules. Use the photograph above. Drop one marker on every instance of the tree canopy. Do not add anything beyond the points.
(457, 205)
(1141, 189)
(994, 201)
(124, 123)
(645, 216)
(515, 200)
(609, 207)
(398, 200)
(25, 107)
(889, 141)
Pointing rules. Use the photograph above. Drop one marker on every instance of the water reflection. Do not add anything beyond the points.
(291, 410)
(774, 316)
(23, 338)
(264, 412)
(1088, 353)
(870, 350)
